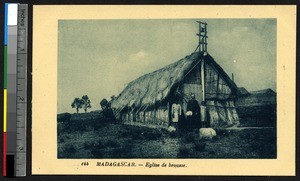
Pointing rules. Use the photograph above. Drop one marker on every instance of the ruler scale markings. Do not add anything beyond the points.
(21, 93)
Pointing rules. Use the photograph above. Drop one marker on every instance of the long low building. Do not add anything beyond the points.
(148, 99)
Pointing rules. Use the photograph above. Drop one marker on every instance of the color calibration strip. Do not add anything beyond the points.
(15, 90)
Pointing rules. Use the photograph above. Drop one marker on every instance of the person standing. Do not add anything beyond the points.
(176, 113)
(107, 112)
(193, 113)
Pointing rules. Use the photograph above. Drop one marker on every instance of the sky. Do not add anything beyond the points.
(99, 58)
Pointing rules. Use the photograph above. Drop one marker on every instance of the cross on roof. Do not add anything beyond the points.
(202, 37)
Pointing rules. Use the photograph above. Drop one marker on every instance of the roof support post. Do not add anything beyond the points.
(203, 80)
(203, 103)
(203, 51)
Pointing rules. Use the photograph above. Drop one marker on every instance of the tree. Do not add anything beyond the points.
(77, 103)
(86, 102)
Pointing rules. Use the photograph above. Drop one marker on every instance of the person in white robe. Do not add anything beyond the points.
(176, 113)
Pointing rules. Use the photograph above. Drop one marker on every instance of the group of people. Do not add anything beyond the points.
(194, 116)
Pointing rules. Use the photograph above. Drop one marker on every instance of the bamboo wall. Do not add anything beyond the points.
(222, 113)
(216, 87)
(150, 116)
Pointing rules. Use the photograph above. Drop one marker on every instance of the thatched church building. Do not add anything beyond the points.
(148, 99)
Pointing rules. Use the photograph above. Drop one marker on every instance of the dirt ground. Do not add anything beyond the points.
(91, 140)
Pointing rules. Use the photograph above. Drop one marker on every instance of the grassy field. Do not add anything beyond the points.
(93, 139)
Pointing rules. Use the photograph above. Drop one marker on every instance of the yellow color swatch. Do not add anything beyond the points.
(4, 110)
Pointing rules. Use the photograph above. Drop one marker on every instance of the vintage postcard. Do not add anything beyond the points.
(164, 90)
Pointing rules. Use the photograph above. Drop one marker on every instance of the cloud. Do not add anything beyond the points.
(120, 72)
(139, 56)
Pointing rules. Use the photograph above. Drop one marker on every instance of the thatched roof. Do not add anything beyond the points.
(243, 91)
(257, 98)
(263, 91)
(156, 86)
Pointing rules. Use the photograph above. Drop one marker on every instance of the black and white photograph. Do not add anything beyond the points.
(167, 88)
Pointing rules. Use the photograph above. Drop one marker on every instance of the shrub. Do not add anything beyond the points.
(152, 134)
(89, 145)
(112, 143)
(100, 144)
(61, 140)
(183, 151)
(216, 138)
(60, 152)
(125, 134)
(174, 134)
(97, 153)
(63, 127)
(188, 138)
(119, 152)
(72, 126)
(98, 124)
(141, 133)
(70, 149)
(137, 136)
(63, 117)
(164, 131)
(122, 152)
(222, 132)
(211, 152)
(244, 135)
(200, 146)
